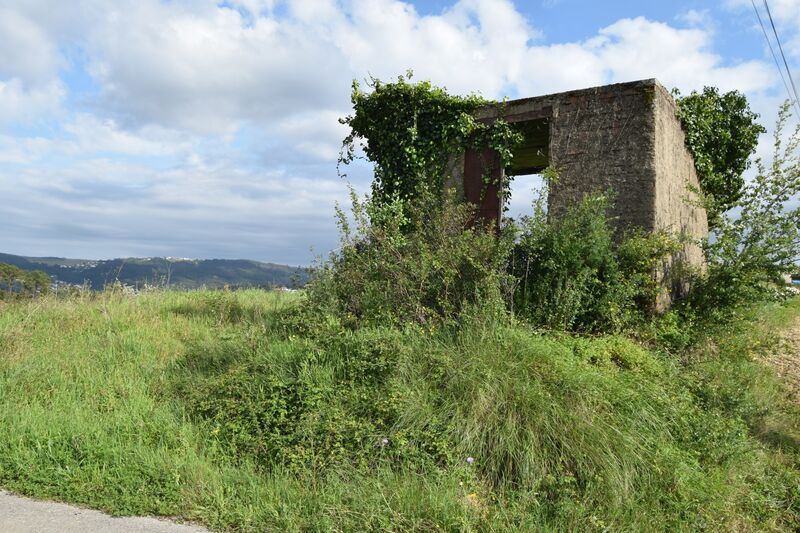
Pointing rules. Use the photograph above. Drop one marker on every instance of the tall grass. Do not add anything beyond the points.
(164, 404)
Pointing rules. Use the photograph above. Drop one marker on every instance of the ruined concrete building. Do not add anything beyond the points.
(623, 137)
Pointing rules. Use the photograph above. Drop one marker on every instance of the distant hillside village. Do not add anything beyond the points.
(32, 275)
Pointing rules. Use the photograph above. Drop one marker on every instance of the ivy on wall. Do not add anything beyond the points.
(410, 131)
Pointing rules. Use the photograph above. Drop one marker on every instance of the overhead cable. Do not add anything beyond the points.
(783, 56)
(775, 57)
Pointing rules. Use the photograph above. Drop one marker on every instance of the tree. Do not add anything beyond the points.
(762, 240)
(722, 134)
(15, 282)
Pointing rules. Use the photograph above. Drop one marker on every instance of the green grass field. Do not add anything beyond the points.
(199, 405)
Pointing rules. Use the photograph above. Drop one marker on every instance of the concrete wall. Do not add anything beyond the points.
(677, 210)
(601, 139)
(623, 138)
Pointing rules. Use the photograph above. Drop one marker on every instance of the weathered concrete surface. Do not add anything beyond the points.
(601, 139)
(23, 515)
(623, 138)
(676, 209)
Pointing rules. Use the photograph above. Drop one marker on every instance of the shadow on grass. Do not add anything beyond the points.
(781, 430)
(203, 362)
(220, 310)
(779, 439)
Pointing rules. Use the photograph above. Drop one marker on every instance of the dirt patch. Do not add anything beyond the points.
(786, 359)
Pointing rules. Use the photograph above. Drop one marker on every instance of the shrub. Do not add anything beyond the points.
(561, 429)
(410, 132)
(574, 274)
(388, 271)
(759, 239)
(722, 134)
(18, 283)
(314, 403)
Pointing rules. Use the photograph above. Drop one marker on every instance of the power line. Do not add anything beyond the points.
(789, 72)
(775, 57)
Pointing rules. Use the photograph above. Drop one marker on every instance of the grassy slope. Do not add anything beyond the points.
(567, 432)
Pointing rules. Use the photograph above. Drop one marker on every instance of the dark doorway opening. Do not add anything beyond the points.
(530, 159)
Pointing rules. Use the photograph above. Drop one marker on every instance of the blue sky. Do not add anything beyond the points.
(198, 128)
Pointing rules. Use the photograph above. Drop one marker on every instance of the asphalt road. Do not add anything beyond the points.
(23, 515)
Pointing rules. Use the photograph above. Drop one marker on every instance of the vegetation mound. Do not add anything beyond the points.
(204, 405)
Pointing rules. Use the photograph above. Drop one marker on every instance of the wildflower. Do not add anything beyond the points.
(384, 442)
(470, 460)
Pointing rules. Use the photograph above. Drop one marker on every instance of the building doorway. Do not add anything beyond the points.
(530, 159)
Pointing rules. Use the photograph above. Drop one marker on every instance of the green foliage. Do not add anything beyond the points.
(573, 274)
(563, 430)
(315, 404)
(397, 392)
(411, 130)
(722, 134)
(199, 405)
(18, 283)
(384, 273)
(760, 239)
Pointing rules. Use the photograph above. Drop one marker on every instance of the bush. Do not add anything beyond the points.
(389, 270)
(757, 241)
(410, 131)
(722, 134)
(17, 283)
(561, 429)
(574, 274)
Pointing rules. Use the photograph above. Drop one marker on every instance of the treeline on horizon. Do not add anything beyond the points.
(163, 273)
(16, 282)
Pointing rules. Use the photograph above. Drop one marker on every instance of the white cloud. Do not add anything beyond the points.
(317, 134)
(697, 17)
(22, 151)
(102, 207)
(29, 62)
(214, 129)
(785, 14)
(85, 134)
(210, 69)
(26, 51)
(632, 49)
(90, 134)
(787, 17)
(23, 105)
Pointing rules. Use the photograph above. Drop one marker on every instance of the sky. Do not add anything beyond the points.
(207, 129)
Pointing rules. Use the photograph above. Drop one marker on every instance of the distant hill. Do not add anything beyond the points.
(175, 272)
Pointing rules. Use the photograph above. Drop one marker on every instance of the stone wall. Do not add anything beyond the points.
(623, 138)
(676, 207)
(601, 139)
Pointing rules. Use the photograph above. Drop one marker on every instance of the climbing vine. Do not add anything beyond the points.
(410, 131)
